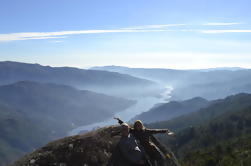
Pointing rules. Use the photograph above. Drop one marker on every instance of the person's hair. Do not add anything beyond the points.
(138, 122)
(123, 125)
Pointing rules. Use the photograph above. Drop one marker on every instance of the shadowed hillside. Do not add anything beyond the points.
(31, 114)
(218, 135)
(59, 104)
(224, 141)
(204, 115)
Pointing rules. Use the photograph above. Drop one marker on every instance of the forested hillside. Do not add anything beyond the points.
(217, 136)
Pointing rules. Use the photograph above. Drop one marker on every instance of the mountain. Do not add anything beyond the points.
(91, 149)
(216, 135)
(111, 83)
(34, 113)
(123, 69)
(172, 109)
(165, 76)
(210, 84)
(204, 115)
(60, 104)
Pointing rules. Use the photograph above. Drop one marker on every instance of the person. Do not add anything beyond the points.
(129, 148)
(144, 136)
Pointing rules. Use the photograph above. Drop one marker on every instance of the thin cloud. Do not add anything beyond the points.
(226, 31)
(63, 34)
(221, 23)
(158, 26)
(146, 28)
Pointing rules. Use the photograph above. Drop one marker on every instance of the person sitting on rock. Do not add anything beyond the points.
(143, 135)
(129, 148)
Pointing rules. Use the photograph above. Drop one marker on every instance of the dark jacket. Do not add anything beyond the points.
(144, 137)
(130, 149)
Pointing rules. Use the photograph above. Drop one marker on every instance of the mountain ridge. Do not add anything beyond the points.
(94, 80)
(172, 109)
(31, 114)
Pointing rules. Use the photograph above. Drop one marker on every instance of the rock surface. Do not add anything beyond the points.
(91, 149)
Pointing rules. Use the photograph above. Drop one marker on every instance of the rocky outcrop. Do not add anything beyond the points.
(91, 149)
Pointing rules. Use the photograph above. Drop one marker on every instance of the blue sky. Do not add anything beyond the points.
(181, 34)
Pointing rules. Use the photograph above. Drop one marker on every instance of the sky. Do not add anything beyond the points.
(177, 34)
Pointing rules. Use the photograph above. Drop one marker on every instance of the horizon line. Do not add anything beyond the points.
(126, 66)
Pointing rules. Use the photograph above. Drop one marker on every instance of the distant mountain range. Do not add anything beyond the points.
(31, 114)
(223, 68)
(207, 83)
(172, 109)
(115, 68)
(111, 83)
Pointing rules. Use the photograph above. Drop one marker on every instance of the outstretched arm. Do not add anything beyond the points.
(157, 131)
(119, 120)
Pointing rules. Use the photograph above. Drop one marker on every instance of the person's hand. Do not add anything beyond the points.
(116, 118)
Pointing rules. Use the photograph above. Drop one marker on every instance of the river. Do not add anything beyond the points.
(142, 105)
